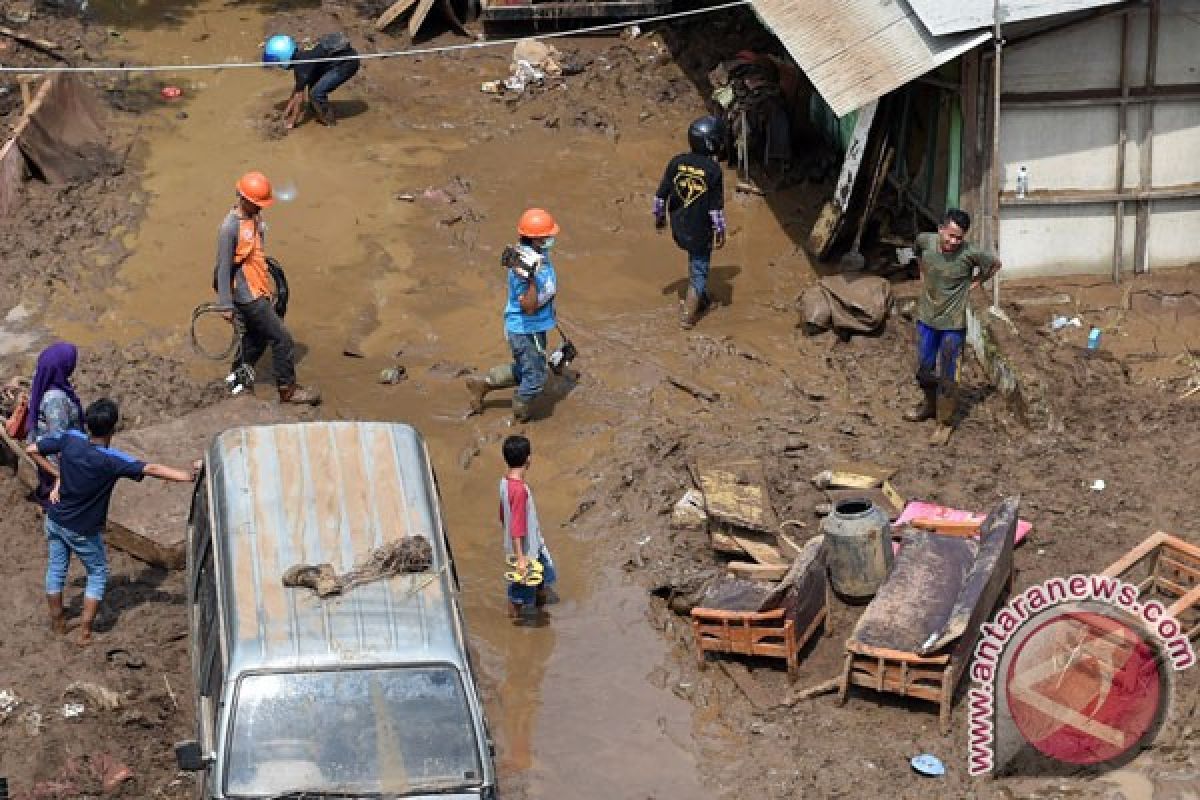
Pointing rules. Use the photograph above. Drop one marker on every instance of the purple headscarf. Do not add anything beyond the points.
(54, 368)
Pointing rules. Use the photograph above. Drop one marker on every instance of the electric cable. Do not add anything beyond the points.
(238, 328)
(418, 51)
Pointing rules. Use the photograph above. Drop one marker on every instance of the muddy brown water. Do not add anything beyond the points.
(573, 712)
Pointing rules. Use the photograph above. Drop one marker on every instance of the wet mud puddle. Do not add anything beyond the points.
(570, 704)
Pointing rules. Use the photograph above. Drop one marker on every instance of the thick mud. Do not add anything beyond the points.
(391, 241)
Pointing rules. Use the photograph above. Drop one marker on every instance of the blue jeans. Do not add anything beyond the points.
(698, 263)
(335, 76)
(88, 549)
(521, 595)
(529, 363)
(938, 353)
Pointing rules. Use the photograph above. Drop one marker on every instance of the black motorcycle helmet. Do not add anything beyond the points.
(706, 135)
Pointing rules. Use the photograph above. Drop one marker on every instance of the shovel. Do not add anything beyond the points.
(854, 261)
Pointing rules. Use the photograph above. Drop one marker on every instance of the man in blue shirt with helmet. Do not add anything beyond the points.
(313, 73)
(528, 316)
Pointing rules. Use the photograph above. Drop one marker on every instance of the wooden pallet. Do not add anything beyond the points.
(1168, 567)
(752, 633)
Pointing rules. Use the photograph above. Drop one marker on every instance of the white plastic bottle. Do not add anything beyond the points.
(1022, 182)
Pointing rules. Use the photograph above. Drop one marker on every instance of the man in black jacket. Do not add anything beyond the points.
(693, 192)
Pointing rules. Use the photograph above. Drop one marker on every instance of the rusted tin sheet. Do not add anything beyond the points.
(496, 10)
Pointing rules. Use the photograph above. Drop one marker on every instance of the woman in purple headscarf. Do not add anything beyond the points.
(53, 404)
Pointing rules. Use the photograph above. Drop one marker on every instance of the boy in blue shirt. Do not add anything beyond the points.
(86, 474)
(528, 316)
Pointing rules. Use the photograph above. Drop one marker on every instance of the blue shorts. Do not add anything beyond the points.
(521, 595)
(938, 353)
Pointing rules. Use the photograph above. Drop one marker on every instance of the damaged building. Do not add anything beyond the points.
(1069, 129)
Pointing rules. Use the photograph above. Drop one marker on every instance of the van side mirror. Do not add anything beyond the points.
(189, 757)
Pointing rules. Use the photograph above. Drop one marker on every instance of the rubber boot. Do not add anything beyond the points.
(946, 406)
(521, 408)
(926, 408)
(300, 395)
(324, 114)
(689, 309)
(496, 378)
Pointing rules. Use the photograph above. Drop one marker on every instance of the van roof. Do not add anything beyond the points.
(327, 492)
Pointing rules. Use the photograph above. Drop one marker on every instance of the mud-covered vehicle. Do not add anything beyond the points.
(366, 693)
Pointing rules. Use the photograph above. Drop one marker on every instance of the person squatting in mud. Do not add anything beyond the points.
(528, 316)
(524, 546)
(692, 191)
(243, 284)
(53, 406)
(313, 76)
(950, 268)
(85, 475)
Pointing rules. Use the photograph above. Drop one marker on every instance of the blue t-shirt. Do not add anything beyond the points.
(540, 321)
(89, 475)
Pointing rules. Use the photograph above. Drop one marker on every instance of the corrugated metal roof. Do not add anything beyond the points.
(327, 492)
(859, 50)
(943, 17)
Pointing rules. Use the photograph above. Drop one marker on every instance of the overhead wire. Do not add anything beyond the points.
(416, 51)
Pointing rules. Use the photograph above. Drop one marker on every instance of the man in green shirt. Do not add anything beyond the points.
(950, 268)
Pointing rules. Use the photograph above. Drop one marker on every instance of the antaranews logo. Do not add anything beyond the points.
(1072, 671)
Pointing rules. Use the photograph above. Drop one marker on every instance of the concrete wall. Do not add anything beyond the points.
(1076, 148)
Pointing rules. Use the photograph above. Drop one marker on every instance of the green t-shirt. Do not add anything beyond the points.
(947, 280)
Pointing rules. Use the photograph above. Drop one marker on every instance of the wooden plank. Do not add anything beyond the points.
(1141, 242)
(736, 495)
(26, 469)
(394, 10)
(759, 696)
(1122, 139)
(833, 216)
(757, 572)
(1178, 567)
(894, 655)
(1145, 548)
(1189, 601)
(1062, 197)
(765, 554)
(788, 548)
(1090, 98)
(703, 614)
(948, 527)
(418, 17)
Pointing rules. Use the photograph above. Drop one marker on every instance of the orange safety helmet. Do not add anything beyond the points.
(255, 187)
(536, 223)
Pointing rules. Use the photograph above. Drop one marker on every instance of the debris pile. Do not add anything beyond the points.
(406, 554)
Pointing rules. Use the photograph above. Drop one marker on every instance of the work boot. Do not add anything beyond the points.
(521, 409)
(926, 408)
(324, 114)
(496, 378)
(299, 395)
(946, 406)
(689, 309)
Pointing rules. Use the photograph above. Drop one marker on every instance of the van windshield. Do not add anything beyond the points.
(400, 730)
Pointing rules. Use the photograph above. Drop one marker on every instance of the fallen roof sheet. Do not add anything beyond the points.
(942, 17)
(859, 50)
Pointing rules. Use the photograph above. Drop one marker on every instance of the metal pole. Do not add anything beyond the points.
(997, 177)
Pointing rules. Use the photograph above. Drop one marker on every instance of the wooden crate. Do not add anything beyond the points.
(752, 633)
(930, 678)
(1165, 566)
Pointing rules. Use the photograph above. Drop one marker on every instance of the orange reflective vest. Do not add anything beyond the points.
(249, 255)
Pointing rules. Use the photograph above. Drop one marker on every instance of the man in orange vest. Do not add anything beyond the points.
(244, 287)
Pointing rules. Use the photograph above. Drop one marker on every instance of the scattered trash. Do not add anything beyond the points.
(632, 32)
(393, 375)
(404, 555)
(120, 657)
(32, 720)
(538, 55)
(689, 513)
(929, 765)
(72, 710)
(1097, 485)
(94, 695)
(8, 703)
(492, 87)
(1059, 322)
(171, 92)
(523, 74)
(407, 197)
(1093, 339)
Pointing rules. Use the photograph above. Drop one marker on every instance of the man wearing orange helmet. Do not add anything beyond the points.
(528, 316)
(243, 285)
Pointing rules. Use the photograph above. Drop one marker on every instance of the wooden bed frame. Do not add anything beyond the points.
(752, 633)
(1172, 572)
